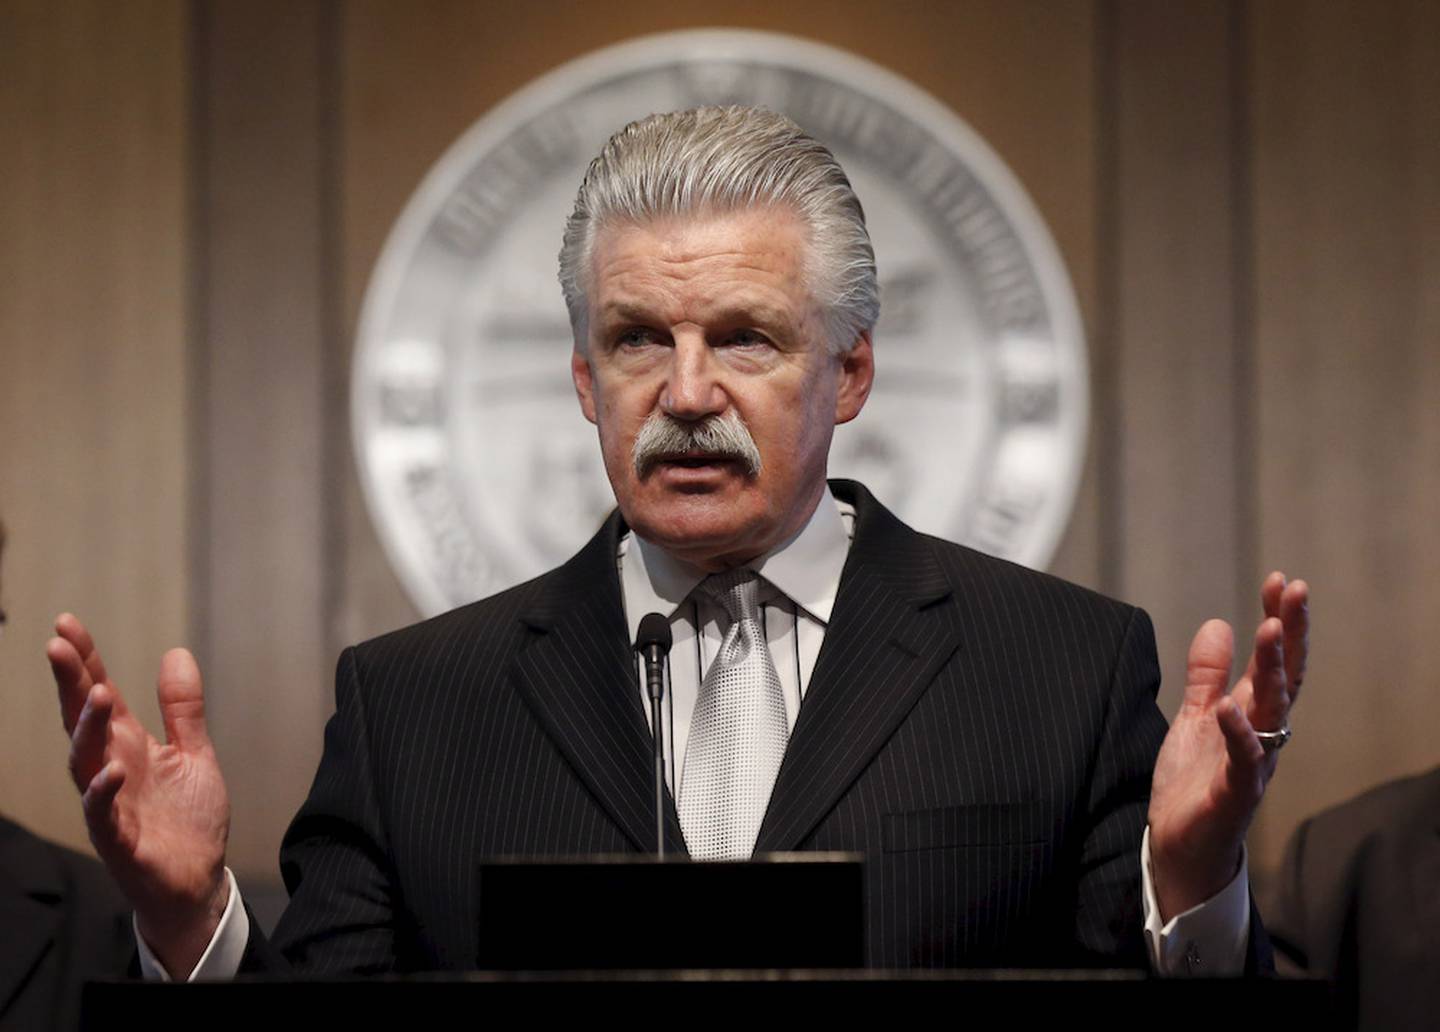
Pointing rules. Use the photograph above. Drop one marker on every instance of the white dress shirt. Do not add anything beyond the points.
(800, 580)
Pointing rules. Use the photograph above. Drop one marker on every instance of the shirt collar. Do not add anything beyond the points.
(806, 568)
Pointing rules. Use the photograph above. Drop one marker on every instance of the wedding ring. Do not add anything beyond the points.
(1274, 741)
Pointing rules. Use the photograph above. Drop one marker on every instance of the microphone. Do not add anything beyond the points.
(653, 641)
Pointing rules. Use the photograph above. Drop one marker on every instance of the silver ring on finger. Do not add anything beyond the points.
(1274, 741)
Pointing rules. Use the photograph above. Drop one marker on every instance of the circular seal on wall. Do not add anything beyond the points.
(477, 465)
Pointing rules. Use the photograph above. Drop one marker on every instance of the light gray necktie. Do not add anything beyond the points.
(738, 732)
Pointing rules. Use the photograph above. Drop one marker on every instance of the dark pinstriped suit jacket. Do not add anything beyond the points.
(984, 733)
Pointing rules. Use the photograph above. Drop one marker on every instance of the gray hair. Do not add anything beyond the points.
(721, 159)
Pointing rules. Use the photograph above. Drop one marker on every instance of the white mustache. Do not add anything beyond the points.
(665, 437)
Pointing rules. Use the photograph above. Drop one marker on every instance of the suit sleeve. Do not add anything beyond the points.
(1109, 911)
(343, 914)
(1108, 922)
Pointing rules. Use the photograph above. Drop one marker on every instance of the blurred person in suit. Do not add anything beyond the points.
(62, 923)
(1358, 902)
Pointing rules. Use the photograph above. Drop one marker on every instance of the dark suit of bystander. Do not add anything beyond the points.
(64, 923)
(1358, 902)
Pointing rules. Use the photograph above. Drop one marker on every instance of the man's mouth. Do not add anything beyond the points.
(707, 444)
(692, 460)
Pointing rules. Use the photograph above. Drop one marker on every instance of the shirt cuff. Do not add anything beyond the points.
(221, 958)
(1209, 939)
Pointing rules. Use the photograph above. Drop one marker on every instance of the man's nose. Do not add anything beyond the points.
(693, 389)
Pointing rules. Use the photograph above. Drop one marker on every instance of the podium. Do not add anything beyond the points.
(567, 939)
(1117, 1001)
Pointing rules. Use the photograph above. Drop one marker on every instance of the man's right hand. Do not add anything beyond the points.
(158, 812)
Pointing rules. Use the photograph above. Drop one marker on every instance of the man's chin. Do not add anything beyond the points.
(699, 522)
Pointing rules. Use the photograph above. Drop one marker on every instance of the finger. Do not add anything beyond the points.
(1249, 767)
(101, 814)
(1271, 701)
(72, 680)
(1295, 615)
(69, 627)
(1207, 667)
(182, 700)
(92, 736)
(1243, 693)
(1271, 590)
(1250, 670)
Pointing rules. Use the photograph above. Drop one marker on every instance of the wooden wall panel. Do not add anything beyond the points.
(1178, 512)
(1347, 197)
(262, 469)
(415, 76)
(93, 387)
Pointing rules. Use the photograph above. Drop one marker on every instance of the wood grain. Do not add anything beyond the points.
(94, 465)
(1347, 192)
(260, 459)
(1178, 506)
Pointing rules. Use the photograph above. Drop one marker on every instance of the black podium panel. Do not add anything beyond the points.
(784, 910)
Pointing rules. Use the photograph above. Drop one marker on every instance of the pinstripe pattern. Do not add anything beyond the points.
(984, 733)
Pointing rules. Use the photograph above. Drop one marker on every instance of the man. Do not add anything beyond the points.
(985, 734)
(1358, 902)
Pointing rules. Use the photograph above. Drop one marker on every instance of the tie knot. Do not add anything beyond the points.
(738, 591)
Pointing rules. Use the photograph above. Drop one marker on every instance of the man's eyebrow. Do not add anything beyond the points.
(736, 314)
(747, 314)
(625, 311)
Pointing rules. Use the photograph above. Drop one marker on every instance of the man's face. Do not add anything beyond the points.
(710, 316)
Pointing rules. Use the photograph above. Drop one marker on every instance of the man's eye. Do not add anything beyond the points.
(635, 337)
(747, 339)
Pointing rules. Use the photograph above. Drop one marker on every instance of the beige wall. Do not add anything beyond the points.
(95, 436)
(1345, 127)
(194, 194)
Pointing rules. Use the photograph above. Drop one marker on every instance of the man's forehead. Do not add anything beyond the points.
(745, 259)
(678, 237)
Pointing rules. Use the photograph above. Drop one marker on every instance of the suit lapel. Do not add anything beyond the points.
(882, 649)
(33, 893)
(578, 674)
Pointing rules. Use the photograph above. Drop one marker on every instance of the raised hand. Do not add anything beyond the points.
(158, 813)
(1213, 769)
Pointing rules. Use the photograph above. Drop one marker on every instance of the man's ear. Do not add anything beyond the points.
(857, 375)
(584, 383)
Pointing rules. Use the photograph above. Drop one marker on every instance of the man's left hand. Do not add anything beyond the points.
(1212, 769)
